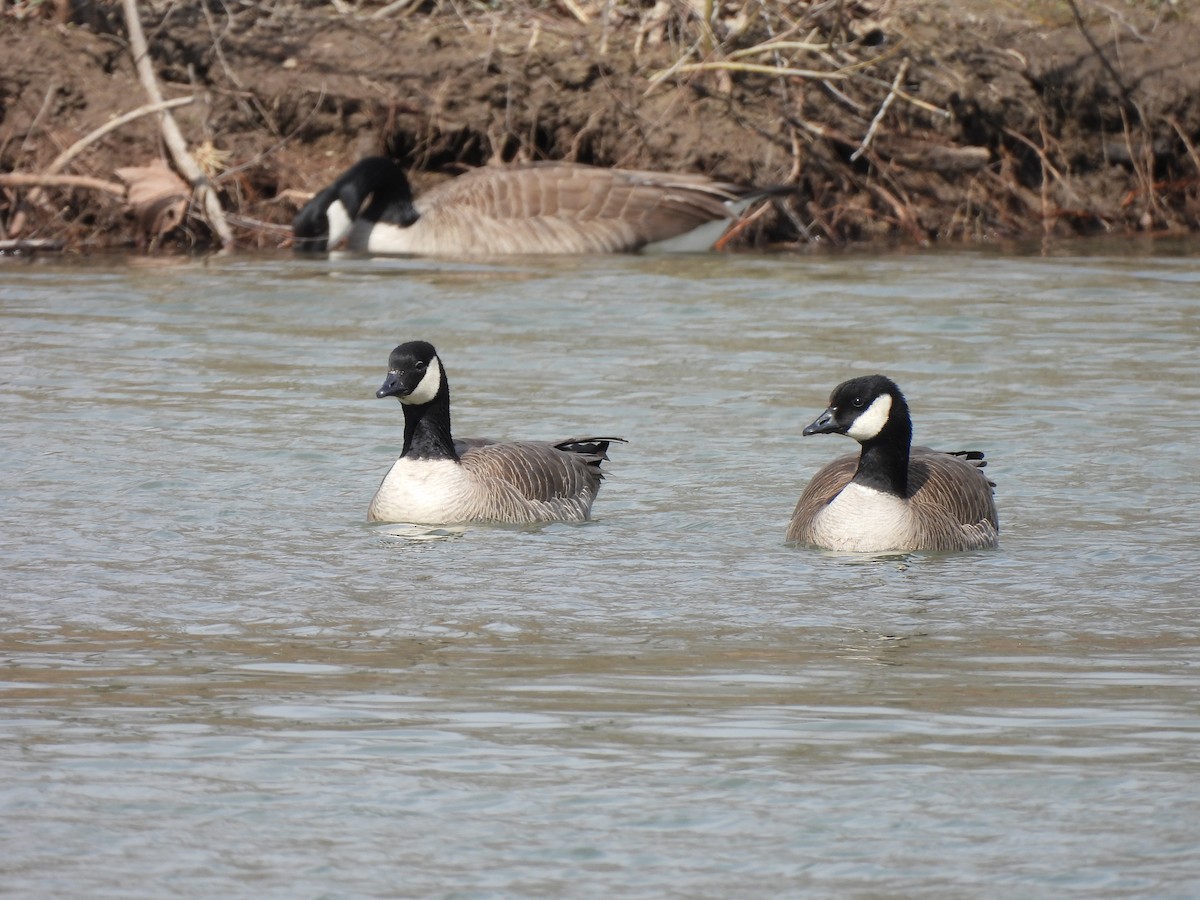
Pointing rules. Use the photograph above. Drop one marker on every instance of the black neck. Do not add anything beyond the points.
(386, 184)
(427, 427)
(883, 463)
(392, 204)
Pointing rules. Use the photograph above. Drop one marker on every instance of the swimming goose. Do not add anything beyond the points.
(535, 208)
(891, 496)
(439, 480)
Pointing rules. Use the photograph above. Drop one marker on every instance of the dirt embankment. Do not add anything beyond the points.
(917, 120)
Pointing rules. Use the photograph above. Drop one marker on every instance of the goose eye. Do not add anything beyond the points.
(419, 365)
(857, 403)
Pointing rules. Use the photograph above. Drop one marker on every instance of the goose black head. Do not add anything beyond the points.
(865, 409)
(414, 374)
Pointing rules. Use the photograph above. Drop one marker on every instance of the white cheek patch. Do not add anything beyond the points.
(429, 386)
(871, 421)
(339, 224)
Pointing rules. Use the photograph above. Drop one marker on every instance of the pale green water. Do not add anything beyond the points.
(217, 680)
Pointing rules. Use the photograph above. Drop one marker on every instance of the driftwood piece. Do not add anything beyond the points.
(172, 136)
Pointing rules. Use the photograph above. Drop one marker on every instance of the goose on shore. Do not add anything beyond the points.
(891, 496)
(532, 208)
(440, 480)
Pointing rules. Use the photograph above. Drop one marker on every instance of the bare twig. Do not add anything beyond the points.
(1187, 142)
(173, 137)
(63, 159)
(842, 97)
(250, 223)
(1087, 36)
(1047, 218)
(772, 46)
(658, 77)
(395, 6)
(883, 108)
(740, 226)
(903, 211)
(219, 52)
(1143, 163)
(41, 113)
(909, 98)
(703, 10)
(840, 73)
(1047, 165)
(577, 11)
(757, 68)
(264, 154)
(793, 177)
(18, 179)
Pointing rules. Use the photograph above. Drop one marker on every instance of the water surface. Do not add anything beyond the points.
(219, 680)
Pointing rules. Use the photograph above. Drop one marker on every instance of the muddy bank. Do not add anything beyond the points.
(914, 121)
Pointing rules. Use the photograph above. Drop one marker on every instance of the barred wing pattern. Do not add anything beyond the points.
(533, 481)
(565, 208)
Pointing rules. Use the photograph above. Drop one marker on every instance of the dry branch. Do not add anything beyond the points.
(396, 6)
(63, 159)
(756, 68)
(17, 179)
(1187, 142)
(774, 46)
(887, 101)
(50, 177)
(171, 134)
(577, 11)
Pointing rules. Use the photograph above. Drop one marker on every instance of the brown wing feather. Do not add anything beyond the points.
(820, 491)
(545, 481)
(567, 207)
(950, 494)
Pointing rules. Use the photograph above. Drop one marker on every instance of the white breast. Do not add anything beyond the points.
(863, 519)
(424, 492)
